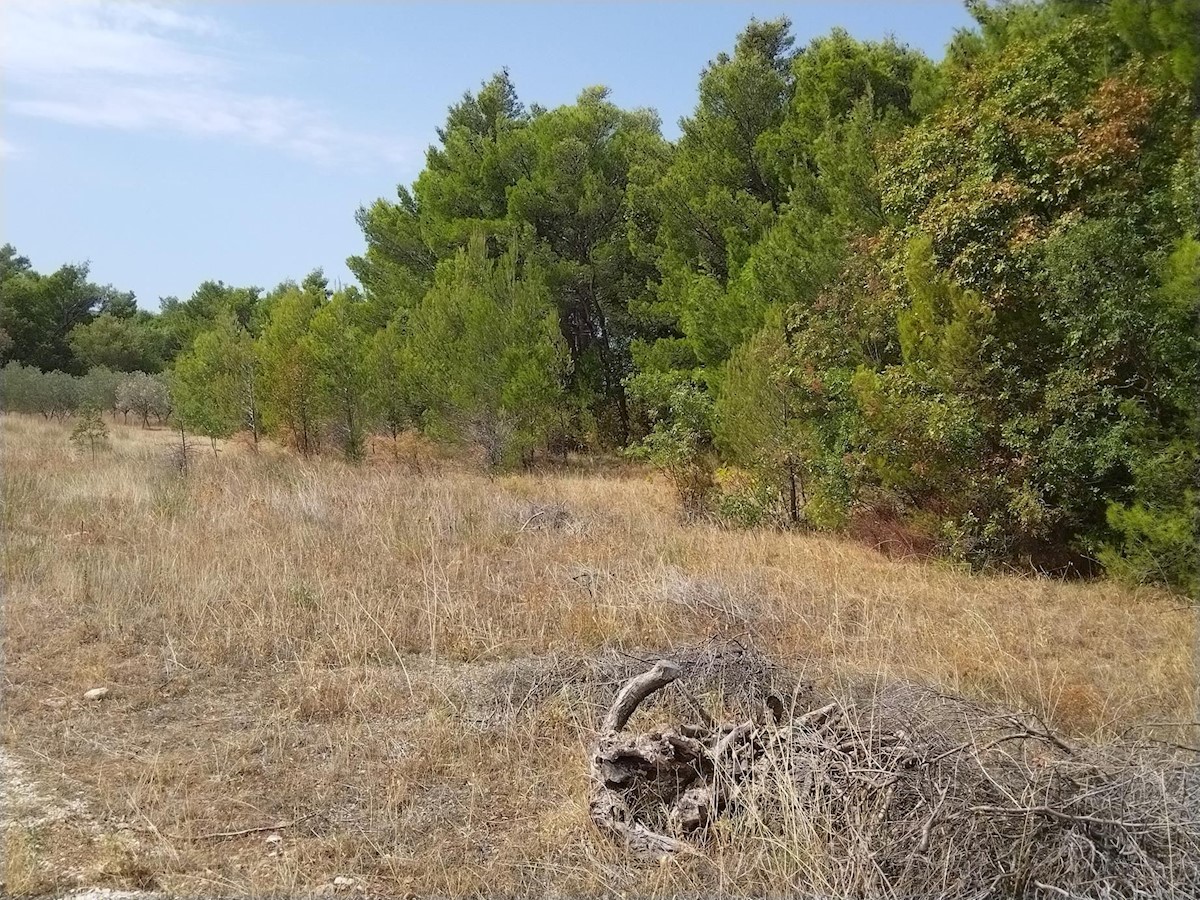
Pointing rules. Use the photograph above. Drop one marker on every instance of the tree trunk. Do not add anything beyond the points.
(793, 506)
(612, 383)
(183, 449)
(252, 408)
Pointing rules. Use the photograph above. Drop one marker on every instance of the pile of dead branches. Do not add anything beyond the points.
(899, 791)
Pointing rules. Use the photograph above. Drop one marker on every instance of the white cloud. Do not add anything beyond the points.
(60, 39)
(8, 149)
(140, 66)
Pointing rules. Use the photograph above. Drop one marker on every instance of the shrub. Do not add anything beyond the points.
(90, 432)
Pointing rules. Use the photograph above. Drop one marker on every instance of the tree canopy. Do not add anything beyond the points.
(961, 295)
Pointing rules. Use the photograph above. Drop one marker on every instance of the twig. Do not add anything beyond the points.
(219, 835)
(1053, 889)
(927, 829)
(643, 660)
(1185, 747)
(1020, 736)
(699, 710)
(525, 524)
(1053, 813)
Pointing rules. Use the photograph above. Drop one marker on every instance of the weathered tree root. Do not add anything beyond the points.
(691, 771)
(940, 796)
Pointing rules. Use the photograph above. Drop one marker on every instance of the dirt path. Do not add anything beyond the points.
(26, 804)
(29, 810)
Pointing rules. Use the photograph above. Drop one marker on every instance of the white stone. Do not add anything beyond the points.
(96, 694)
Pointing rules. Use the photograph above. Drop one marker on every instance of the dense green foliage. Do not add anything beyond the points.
(62, 321)
(958, 296)
(213, 384)
(488, 354)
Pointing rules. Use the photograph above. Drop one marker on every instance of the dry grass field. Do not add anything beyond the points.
(380, 673)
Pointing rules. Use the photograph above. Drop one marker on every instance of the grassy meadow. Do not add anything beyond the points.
(318, 670)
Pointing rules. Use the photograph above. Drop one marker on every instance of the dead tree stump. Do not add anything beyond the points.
(943, 796)
(689, 772)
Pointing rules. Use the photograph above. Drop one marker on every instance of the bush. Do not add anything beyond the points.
(98, 388)
(1156, 545)
(90, 433)
(681, 446)
(747, 502)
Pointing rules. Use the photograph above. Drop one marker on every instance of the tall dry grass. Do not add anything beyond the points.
(288, 638)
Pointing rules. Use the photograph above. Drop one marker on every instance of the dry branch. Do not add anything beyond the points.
(919, 783)
(242, 832)
(635, 691)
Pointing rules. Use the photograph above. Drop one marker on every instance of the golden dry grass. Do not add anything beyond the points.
(288, 639)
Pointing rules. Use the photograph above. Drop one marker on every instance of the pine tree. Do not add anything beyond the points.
(214, 383)
(337, 344)
(291, 396)
(487, 343)
(759, 424)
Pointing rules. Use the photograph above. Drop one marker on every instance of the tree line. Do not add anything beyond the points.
(957, 297)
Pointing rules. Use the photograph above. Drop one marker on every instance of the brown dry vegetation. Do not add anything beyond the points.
(401, 659)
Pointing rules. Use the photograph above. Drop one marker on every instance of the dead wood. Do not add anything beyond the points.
(635, 691)
(242, 832)
(944, 797)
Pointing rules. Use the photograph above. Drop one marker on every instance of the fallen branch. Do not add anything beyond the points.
(530, 520)
(1052, 813)
(223, 835)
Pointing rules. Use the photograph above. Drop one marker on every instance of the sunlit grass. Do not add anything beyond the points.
(287, 637)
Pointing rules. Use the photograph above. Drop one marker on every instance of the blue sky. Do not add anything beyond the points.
(172, 143)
